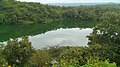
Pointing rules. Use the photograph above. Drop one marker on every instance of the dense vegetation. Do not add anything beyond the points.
(103, 50)
(21, 54)
(108, 33)
(23, 12)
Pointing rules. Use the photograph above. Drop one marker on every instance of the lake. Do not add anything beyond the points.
(61, 37)
(50, 34)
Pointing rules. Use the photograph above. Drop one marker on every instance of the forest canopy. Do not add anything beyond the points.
(15, 12)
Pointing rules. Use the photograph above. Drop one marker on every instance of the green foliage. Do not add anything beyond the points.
(44, 57)
(108, 32)
(90, 63)
(27, 13)
(40, 58)
(89, 13)
(100, 64)
(18, 52)
(92, 56)
(80, 55)
(2, 59)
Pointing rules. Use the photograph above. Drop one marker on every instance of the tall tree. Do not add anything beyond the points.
(18, 52)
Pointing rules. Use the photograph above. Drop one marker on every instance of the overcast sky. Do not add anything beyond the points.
(71, 1)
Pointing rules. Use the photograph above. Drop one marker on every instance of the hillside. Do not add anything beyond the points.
(12, 12)
(15, 12)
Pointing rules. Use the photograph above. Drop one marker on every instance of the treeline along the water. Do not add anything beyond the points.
(19, 30)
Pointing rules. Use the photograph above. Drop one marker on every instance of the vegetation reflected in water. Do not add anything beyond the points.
(15, 31)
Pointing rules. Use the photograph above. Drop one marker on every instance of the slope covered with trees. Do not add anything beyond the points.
(15, 12)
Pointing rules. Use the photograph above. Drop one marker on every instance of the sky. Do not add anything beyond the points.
(72, 1)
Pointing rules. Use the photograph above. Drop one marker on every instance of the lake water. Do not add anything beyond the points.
(61, 37)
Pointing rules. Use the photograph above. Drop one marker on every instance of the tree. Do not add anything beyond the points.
(40, 58)
(18, 52)
(108, 32)
(2, 59)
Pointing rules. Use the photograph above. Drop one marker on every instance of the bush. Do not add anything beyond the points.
(89, 64)
(101, 64)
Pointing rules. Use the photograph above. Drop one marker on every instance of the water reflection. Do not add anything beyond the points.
(61, 37)
(17, 31)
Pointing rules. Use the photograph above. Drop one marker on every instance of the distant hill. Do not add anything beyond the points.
(72, 4)
(81, 4)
